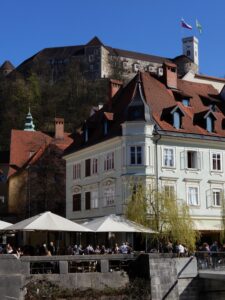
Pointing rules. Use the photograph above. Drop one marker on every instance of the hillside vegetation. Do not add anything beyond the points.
(66, 94)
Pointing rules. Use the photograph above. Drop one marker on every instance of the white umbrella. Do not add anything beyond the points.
(113, 223)
(47, 221)
(4, 224)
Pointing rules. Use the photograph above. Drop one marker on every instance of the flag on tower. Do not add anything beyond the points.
(185, 25)
(198, 26)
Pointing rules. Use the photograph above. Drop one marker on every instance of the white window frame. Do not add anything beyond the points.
(173, 157)
(136, 155)
(94, 199)
(221, 161)
(109, 195)
(184, 160)
(188, 193)
(109, 161)
(215, 191)
(76, 171)
(94, 166)
(170, 186)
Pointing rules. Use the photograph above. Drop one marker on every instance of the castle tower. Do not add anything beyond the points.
(190, 49)
(29, 125)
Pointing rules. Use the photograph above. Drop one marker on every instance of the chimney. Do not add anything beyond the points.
(114, 86)
(59, 128)
(170, 75)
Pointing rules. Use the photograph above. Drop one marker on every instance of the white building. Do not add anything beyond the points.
(165, 129)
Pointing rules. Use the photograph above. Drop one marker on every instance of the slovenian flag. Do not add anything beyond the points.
(185, 25)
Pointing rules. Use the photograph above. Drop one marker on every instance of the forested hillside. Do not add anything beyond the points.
(64, 93)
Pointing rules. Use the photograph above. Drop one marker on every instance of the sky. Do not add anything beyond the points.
(146, 26)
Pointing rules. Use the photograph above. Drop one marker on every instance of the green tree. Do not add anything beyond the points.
(163, 213)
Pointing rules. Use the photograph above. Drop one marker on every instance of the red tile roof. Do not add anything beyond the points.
(27, 147)
(159, 98)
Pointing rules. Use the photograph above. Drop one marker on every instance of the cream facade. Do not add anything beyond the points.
(190, 167)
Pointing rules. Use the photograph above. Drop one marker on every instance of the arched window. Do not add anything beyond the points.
(176, 120)
(209, 124)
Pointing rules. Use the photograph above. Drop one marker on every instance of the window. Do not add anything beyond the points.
(94, 199)
(87, 167)
(91, 58)
(88, 200)
(77, 202)
(169, 191)
(77, 171)
(216, 162)
(216, 195)
(188, 52)
(135, 155)
(193, 196)
(109, 196)
(109, 161)
(86, 135)
(193, 160)
(209, 124)
(95, 51)
(168, 157)
(176, 120)
(186, 102)
(105, 125)
(136, 67)
(94, 166)
(125, 65)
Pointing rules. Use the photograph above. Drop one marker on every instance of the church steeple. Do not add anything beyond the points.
(29, 125)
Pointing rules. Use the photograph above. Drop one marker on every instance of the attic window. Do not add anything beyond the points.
(86, 135)
(177, 120)
(105, 127)
(209, 124)
(186, 102)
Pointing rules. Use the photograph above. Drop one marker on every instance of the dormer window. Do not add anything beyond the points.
(209, 124)
(186, 102)
(177, 120)
(106, 124)
(86, 135)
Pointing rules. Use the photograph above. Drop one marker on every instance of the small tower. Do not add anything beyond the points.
(190, 48)
(29, 125)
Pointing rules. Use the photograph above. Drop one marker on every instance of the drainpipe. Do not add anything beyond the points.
(157, 138)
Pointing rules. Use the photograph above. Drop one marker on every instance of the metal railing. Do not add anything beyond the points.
(77, 263)
(210, 260)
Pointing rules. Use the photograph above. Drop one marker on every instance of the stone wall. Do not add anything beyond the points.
(169, 278)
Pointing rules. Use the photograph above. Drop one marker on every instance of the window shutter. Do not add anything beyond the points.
(198, 160)
(183, 160)
(209, 199)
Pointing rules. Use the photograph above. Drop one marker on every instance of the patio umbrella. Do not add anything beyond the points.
(4, 224)
(113, 223)
(47, 221)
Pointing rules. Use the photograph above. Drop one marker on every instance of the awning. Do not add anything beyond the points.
(207, 225)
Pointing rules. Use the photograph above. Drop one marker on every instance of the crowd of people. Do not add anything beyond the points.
(50, 249)
(210, 256)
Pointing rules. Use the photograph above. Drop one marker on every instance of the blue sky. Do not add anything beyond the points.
(147, 26)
